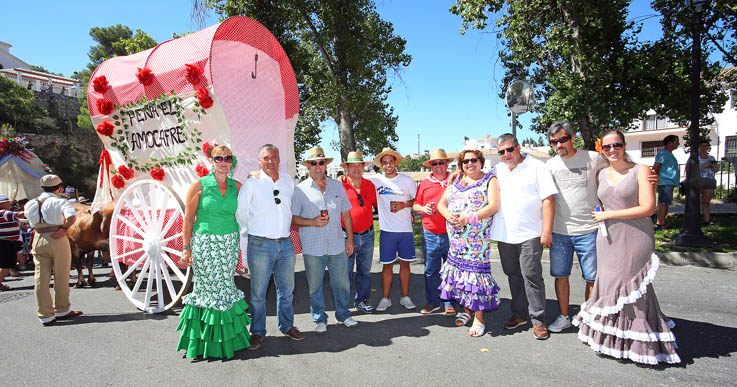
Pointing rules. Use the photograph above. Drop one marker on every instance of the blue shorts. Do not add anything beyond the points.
(392, 244)
(665, 194)
(561, 255)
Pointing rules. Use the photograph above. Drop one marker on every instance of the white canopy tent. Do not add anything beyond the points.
(19, 179)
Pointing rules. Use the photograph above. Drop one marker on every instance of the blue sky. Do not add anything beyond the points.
(449, 90)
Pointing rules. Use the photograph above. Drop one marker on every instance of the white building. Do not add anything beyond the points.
(646, 139)
(20, 72)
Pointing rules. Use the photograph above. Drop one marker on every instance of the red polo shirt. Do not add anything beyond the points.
(362, 216)
(431, 191)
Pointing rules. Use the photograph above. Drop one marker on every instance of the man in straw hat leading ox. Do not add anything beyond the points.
(435, 236)
(395, 194)
(318, 205)
(362, 195)
(51, 216)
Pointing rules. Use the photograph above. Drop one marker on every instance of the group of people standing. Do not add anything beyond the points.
(597, 206)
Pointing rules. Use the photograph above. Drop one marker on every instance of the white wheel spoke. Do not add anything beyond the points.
(149, 283)
(182, 277)
(168, 225)
(129, 239)
(162, 207)
(133, 267)
(172, 251)
(133, 227)
(134, 210)
(159, 288)
(142, 274)
(175, 236)
(167, 279)
(119, 257)
(147, 210)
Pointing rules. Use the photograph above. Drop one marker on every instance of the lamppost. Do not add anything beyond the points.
(691, 234)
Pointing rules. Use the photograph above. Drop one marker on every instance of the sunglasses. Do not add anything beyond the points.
(616, 145)
(276, 199)
(220, 159)
(468, 161)
(436, 163)
(503, 151)
(360, 199)
(561, 140)
(321, 162)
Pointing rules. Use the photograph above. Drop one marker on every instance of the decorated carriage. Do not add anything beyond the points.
(229, 84)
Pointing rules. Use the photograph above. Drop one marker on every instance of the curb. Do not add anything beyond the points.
(704, 259)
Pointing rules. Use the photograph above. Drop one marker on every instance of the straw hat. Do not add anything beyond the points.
(354, 158)
(387, 151)
(437, 154)
(315, 154)
(50, 181)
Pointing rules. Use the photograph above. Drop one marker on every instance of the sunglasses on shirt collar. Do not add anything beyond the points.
(360, 199)
(276, 197)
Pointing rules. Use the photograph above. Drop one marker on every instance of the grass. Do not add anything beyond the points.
(722, 233)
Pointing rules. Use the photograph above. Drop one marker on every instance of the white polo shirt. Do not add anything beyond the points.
(258, 213)
(521, 194)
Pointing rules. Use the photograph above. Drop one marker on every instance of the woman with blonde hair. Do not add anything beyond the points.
(214, 320)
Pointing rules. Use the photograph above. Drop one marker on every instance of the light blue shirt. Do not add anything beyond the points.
(307, 203)
(669, 173)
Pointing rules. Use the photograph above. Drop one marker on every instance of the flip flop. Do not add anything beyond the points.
(477, 329)
(462, 319)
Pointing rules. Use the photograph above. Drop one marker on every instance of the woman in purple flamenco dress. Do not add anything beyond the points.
(468, 205)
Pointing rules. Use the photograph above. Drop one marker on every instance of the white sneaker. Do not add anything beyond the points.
(384, 304)
(321, 328)
(349, 322)
(407, 302)
(560, 324)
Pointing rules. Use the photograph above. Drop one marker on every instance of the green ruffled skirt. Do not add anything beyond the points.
(214, 333)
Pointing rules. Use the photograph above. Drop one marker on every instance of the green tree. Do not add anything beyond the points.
(43, 70)
(583, 58)
(117, 40)
(409, 164)
(343, 54)
(17, 108)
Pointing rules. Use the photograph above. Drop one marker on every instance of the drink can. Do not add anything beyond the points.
(324, 213)
(432, 205)
(598, 209)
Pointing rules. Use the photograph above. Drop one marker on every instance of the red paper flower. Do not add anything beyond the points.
(117, 181)
(104, 106)
(597, 145)
(3, 147)
(105, 128)
(100, 84)
(157, 174)
(194, 74)
(201, 170)
(145, 76)
(203, 97)
(207, 149)
(126, 172)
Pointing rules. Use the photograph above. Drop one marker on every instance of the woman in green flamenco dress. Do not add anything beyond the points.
(214, 320)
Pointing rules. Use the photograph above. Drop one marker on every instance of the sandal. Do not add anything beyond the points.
(462, 319)
(478, 329)
(5, 288)
(450, 311)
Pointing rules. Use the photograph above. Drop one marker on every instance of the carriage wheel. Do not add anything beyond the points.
(146, 239)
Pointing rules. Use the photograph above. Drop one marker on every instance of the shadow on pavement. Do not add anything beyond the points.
(698, 339)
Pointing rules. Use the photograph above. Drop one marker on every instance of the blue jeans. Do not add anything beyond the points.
(561, 255)
(363, 253)
(267, 256)
(315, 271)
(435, 247)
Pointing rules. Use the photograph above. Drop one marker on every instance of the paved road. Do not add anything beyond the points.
(113, 344)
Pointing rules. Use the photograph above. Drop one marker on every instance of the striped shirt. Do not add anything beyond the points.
(9, 227)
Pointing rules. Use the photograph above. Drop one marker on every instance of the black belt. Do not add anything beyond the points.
(364, 232)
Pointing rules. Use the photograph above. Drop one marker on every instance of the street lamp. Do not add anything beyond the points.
(691, 234)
